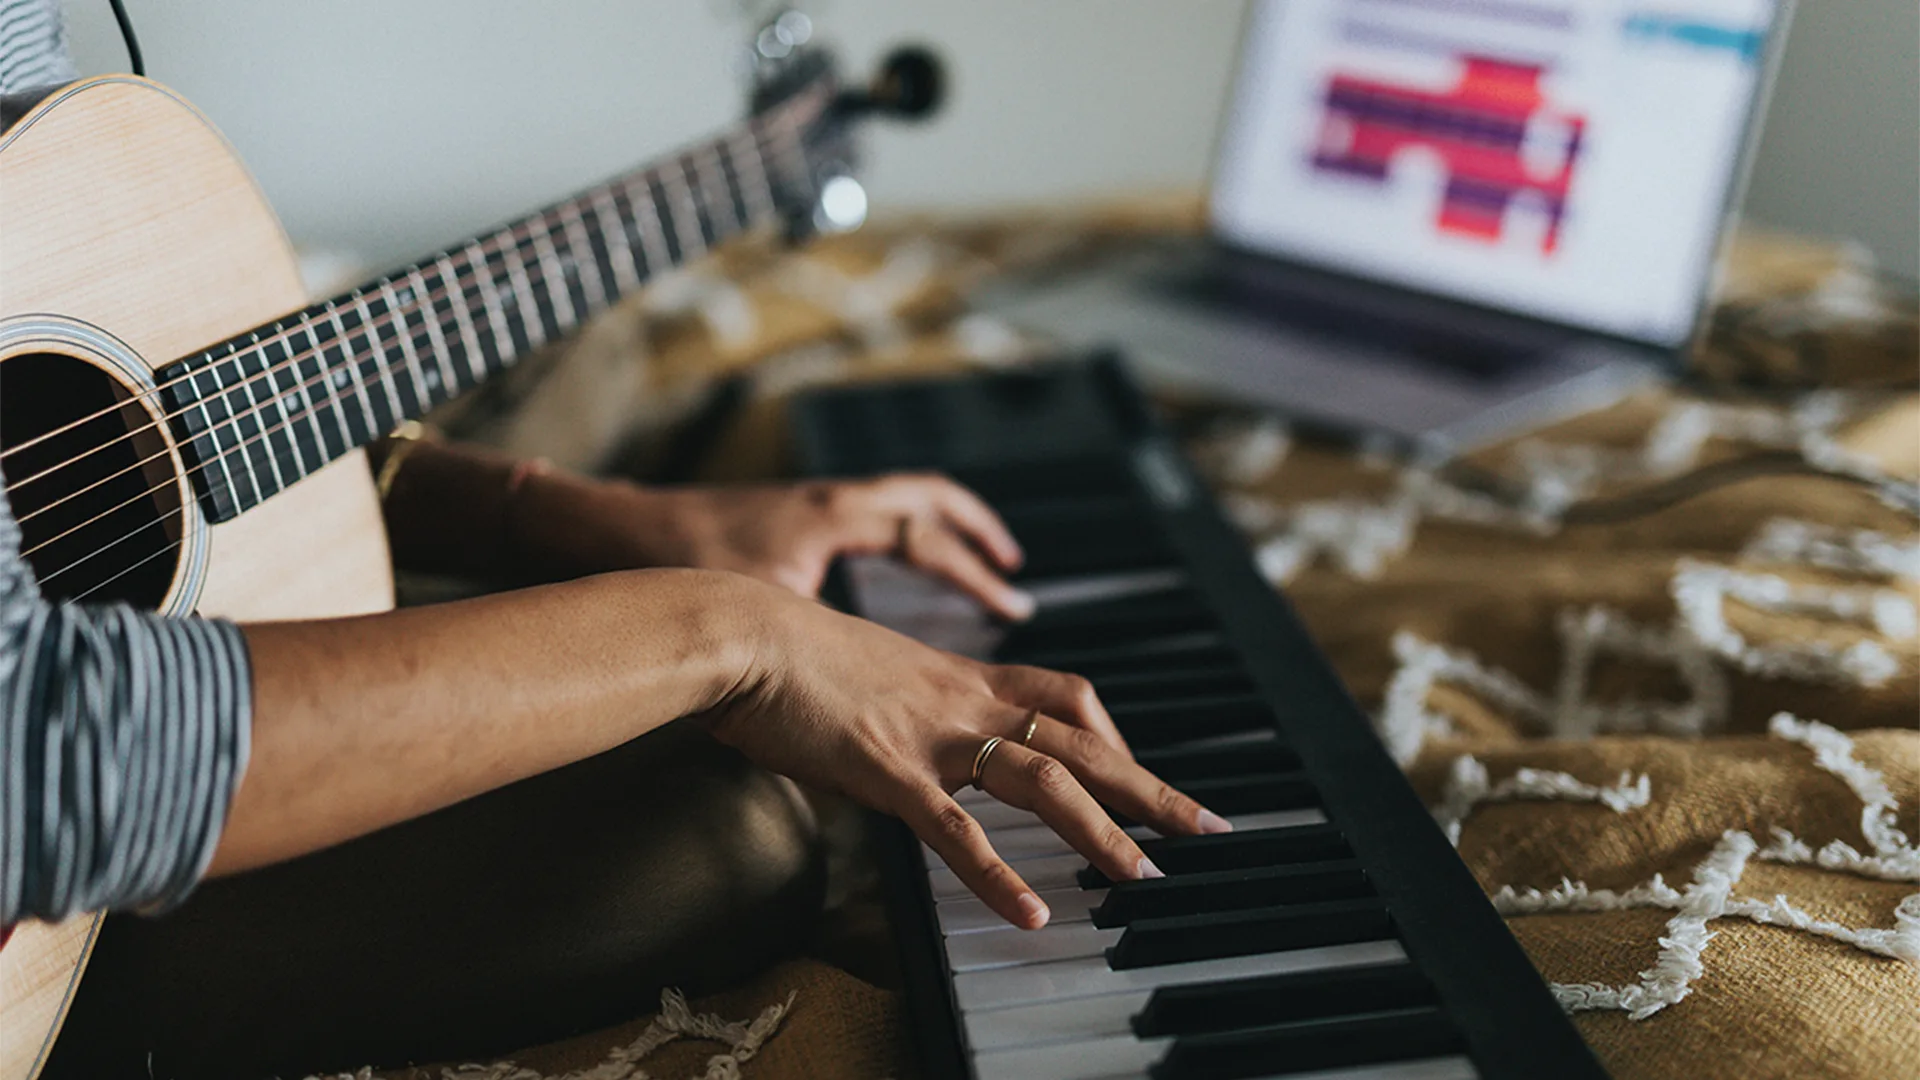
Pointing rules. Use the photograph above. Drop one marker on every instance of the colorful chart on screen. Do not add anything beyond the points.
(1568, 160)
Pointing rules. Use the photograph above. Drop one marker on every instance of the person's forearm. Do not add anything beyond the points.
(361, 723)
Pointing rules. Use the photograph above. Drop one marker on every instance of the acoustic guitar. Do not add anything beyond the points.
(149, 466)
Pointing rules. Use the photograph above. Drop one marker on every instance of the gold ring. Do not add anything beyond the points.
(1033, 725)
(980, 759)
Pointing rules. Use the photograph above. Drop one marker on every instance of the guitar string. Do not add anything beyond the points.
(519, 233)
(225, 455)
(766, 130)
(351, 368)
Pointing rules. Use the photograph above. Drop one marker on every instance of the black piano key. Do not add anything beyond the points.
(1075, 537)
(1286, 845)
(1107, 623)
(1198, 1008)
(1255, 793)
(1161, 724)
(1309, 1045)
(1177, 940)
(1202, 647)
(1186, 764)
(1129, 686)
(1231, 890)
(1026, 481)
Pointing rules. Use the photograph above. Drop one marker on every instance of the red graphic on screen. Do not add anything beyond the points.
(1494, 131)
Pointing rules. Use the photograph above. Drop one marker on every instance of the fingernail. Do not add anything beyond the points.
(1210, 822)
(1032, 912)
(1146, 869)
(1020, 604)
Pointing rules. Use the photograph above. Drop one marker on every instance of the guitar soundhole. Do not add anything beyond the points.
(90, 482)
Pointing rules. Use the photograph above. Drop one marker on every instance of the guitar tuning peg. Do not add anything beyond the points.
(910, 85)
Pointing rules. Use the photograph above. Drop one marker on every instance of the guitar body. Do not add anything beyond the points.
(130, 234)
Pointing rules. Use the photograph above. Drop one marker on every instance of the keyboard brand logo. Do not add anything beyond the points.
(1162, 474)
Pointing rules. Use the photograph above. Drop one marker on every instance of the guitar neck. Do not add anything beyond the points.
(261, 410)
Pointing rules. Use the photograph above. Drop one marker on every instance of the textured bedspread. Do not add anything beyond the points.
(1657, 668)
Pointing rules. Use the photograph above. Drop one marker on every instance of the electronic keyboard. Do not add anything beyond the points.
(1333, 933)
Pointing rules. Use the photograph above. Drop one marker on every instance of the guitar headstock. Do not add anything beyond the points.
(796, 83)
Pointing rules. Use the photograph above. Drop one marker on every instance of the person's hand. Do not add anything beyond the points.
(789, 534)
(848, 706)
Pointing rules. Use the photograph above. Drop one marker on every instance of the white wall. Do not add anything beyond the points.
(389, 126)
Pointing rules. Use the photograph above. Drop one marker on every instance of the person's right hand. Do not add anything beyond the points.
(848, 706)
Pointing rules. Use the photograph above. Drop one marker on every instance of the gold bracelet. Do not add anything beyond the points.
(407, 438)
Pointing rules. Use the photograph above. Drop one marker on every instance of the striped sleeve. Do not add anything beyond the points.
(123, 736)
(33, 46)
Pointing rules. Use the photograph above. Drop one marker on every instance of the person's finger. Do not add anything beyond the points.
(948, 829)
(1122, 784)
(970, 515)
(930, 546)
(1064, 697)
(1034, 781)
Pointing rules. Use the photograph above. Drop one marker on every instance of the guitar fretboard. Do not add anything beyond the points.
(260, 411)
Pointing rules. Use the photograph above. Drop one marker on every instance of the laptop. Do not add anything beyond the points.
(1446, 220)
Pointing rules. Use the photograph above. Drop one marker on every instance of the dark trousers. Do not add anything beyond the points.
(554, 906)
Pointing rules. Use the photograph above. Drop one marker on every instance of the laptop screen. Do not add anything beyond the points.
(1568, 160)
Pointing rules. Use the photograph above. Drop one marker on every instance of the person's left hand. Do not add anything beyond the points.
(789, 534)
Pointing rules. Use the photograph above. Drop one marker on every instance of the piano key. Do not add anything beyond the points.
(1042, 875)
(993, 814)
(973, 952)
(1176, 855)
(970, 914)
(1006, 486)
(1043, 1022)
(1188, 762)
(1093, 1059)
(1239, 796)
(1230, 890)
(1159, 724)
(1089, 662)
(1186, 938)
(1091, 977)
(1123, 688)
(1398, 1035)
(1063, 536)
(1245, 1003)
(1108, 624)
(1037, 841)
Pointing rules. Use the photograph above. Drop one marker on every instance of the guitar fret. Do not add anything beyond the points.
(763, 184)
(679, 203)
(265, 438)
(463, 319)
(442, 371)
(382, 366)
(344, 373)
(490, 299)
(301, 393)
(440, 375)
(555, 274)
(233, 424)
(604, 197)
(653, 239)
(343, 430)
(579, 237)
(525, 300)
(399, 316)
(714, 181)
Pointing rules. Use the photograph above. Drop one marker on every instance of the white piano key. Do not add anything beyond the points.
(1037, 841)
(971, 915)
(975, 952)
(1073, 1020)
(1094, 1059)
(994, 814)
(1042, 875)
(1090, 977)
(1442, 1068)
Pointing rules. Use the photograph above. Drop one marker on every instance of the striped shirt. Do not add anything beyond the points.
(123, 734)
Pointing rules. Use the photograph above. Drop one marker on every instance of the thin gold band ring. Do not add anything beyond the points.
(980, 759)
